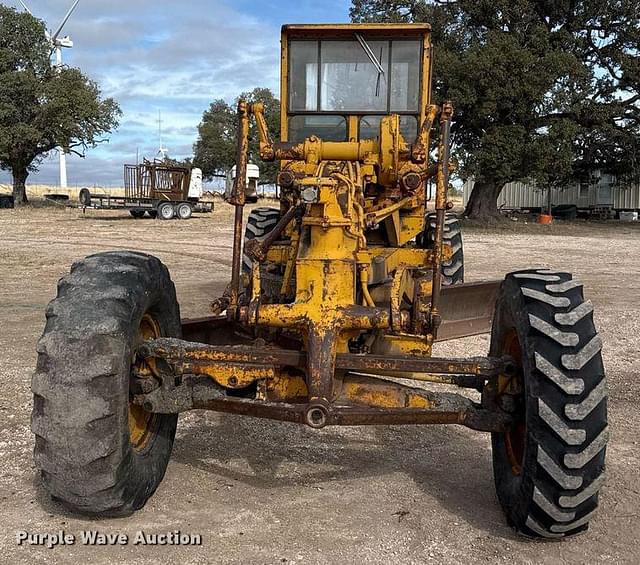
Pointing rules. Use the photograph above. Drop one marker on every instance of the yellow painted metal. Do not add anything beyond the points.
(367, 391)
(386, 260)
(279, 254)
(142, 424)
(334, 29)
(365, 202)
(285, 387)
(401, 344)
(353, 126)
(427, 77)
(284, 84)
(233, 376)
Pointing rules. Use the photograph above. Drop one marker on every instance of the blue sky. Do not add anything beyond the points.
(175, 57)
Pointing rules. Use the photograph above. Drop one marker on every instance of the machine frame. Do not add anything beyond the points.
(335, 301)
(322, 236)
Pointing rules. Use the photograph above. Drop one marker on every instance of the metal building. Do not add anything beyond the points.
(603, 192)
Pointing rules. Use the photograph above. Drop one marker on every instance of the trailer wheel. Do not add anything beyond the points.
(549, 466)
(184, 211)
(96, 451)
(137, 214)
(453, 269)
(84, 197)
(165, 211)
(152, 214)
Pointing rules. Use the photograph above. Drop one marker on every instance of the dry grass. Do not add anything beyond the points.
(37, 191)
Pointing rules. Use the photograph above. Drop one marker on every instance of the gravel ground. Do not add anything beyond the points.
(265, 492)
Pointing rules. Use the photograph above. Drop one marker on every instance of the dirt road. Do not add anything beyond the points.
(264, 492)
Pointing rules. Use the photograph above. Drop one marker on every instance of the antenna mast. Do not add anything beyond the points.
(162, 151)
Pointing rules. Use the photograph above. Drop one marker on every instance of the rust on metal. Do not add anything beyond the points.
(442, 184)
(184, 353)
(443, 408)
(467, 309)
(238, 199)
(257, 249)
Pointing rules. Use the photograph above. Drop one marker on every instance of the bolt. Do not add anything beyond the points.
(316, 417)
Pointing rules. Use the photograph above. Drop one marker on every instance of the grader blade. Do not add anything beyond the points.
(467, 309)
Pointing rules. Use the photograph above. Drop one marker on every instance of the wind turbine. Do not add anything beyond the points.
(57, 43)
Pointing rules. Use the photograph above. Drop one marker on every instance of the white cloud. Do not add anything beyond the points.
(173, 57)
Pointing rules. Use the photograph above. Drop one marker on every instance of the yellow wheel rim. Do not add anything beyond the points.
(143, 424)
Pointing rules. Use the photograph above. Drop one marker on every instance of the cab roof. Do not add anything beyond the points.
(338, 30)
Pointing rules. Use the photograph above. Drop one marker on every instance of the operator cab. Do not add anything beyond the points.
(339, 81)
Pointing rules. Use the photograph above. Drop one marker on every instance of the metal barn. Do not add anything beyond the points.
(604, 192)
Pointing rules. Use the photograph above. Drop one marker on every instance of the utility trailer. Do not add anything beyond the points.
(155, 190)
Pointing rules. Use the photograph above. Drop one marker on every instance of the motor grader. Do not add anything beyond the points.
(335, 302)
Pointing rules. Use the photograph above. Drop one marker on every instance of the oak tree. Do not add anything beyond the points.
(545, 90)
(41, 106)
(215, 149)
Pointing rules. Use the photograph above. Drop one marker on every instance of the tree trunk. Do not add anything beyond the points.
(483, 201)
(19, 188)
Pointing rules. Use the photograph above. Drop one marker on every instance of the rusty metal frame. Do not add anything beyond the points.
(180, 365)
(200, 394)
(178, 352)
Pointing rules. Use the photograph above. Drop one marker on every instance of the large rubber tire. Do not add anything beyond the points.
(259, 223)
(81, 412)
(137, 214)
(549, 468)
(453, 269)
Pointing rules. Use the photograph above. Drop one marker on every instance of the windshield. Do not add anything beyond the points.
(351, 79)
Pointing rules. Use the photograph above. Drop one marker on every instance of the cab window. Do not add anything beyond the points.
(370, 127)
(350, 80)
(327, 128)
(358, 75)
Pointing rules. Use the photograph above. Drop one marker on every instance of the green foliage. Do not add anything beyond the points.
(171, 162)
(215, 149)
(42, 107)
(544, 90)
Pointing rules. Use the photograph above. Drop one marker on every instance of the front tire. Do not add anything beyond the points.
(549, 466)
(96, 451)
(259, 223)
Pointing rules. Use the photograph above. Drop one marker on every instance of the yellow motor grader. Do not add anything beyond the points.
(335, 301)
